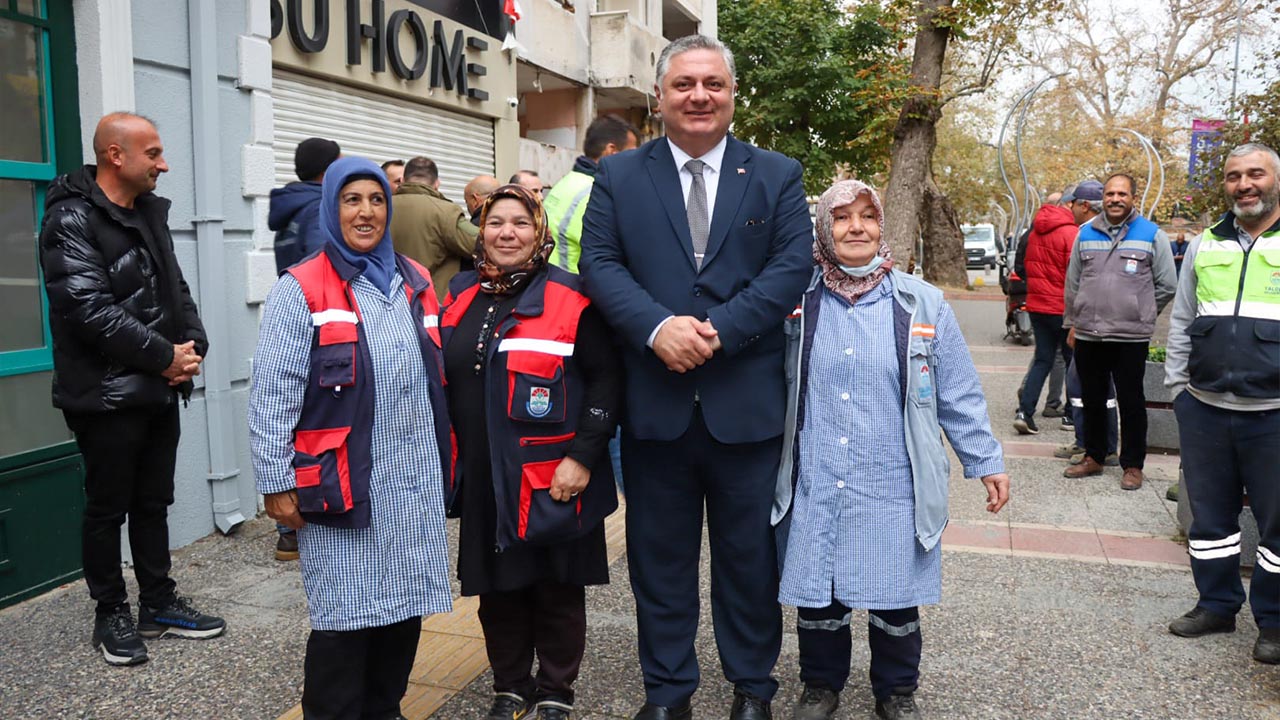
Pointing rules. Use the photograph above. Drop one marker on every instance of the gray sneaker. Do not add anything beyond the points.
(816, 703)
(1067, 451)
(898, 707)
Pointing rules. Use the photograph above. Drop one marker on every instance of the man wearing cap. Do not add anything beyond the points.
(1223, 365)
(294, 215)
(1121, 275)
(1053, 233)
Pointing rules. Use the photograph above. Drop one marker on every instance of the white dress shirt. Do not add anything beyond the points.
(713, 159)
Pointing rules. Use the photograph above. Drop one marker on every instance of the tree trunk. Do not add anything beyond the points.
(944, 261)
(913, 203)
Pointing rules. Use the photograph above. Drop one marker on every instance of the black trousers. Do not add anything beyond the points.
(1226, 454)
(826, 647)
(668, 484)
(359, 674)
(129, 457)
(547, 620)
(1124, 363)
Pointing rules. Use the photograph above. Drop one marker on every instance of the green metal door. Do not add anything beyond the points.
(41, 476)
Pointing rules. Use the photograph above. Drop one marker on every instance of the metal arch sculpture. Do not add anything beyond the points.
(1154, 162)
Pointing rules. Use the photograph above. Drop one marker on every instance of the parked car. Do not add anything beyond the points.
(979, 245)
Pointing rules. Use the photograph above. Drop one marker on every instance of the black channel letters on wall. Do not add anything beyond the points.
(384, 37)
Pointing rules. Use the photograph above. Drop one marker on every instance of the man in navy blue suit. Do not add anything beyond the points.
(695, 248)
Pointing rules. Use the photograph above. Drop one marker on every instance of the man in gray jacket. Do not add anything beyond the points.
(1120, 277)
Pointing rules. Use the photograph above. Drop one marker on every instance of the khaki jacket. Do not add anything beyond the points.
(427, 227)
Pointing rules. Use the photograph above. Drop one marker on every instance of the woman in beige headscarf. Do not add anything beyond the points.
(877, 370)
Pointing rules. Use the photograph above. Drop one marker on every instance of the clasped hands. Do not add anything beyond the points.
(185, 364)
(685, 342)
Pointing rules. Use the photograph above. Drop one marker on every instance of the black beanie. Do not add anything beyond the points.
(313, 157)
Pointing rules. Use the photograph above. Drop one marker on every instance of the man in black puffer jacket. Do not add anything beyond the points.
(127, 340)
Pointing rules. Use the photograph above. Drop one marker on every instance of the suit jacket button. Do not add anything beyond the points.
(697, 292)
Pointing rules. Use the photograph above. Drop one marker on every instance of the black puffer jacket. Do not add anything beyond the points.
(117, 300)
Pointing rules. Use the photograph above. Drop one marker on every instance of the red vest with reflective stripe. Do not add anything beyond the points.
(534, 394)
(333, 439)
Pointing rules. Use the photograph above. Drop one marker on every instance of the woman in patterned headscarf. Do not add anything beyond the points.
(533, 384)
(877, 371)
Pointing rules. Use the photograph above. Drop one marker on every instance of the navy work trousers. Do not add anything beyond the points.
(1226, 453)
(826, 647)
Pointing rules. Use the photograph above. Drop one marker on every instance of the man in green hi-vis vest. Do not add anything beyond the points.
(567, 201)
(1223, 364)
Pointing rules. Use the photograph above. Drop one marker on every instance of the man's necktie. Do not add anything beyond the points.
(696, 208)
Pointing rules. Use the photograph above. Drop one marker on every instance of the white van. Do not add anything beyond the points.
(979, 245)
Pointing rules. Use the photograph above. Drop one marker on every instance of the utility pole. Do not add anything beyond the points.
(1235, 73)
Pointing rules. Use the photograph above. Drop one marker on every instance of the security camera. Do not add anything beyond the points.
(513, 101)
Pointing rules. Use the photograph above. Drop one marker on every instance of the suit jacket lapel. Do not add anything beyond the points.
(729, 194)
(666, 182)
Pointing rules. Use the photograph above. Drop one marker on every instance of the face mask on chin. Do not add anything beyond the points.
(864, 270)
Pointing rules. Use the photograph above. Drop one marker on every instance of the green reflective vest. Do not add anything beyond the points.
(566, 204)
(1235, 338)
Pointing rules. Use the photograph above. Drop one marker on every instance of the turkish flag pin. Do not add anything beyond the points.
(742, 171)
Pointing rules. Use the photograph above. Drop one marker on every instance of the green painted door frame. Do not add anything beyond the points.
(42, 488)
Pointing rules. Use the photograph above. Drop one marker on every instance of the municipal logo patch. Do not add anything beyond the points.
(925, 390)
(1131, 267)
(539, 402)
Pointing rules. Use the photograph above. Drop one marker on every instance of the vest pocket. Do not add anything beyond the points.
(535, 387)
(543, 520)
(321, 470)
(335, 365)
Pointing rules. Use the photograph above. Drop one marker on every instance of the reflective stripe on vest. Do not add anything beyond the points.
(566, 205)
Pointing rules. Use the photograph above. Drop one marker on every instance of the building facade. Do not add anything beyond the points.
(233, 86)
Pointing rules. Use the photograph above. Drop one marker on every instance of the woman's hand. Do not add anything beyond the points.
(283, 508)
(997, 491)
(570, 479)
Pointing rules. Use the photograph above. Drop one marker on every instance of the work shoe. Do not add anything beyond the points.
(1132, 479)
(1052, 412)
(553, 710)
(115, 636)
(1068, 423)
(1024, 424)
(1267, 648)
(816, 703)
(1199, 622)
(1066, 452)
(287, 547)
(1087, 467)
(508, 706)
(749, 707)
(181, 619)
(1113, 460)
(898, 707)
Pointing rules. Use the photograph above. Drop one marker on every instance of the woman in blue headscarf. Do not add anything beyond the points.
(351, 447)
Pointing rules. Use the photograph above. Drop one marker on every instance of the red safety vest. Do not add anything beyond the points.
(534, 395)
(333, 439)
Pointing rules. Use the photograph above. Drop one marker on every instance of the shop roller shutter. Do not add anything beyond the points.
(378, 127)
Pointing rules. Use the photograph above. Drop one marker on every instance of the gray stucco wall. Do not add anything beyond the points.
(163, 92)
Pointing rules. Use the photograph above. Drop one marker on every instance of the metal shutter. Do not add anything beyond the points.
(378, 127)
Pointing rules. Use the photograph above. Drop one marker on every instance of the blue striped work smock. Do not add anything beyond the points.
(397, 568)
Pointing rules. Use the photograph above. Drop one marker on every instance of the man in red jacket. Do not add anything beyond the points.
(1053, 232)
